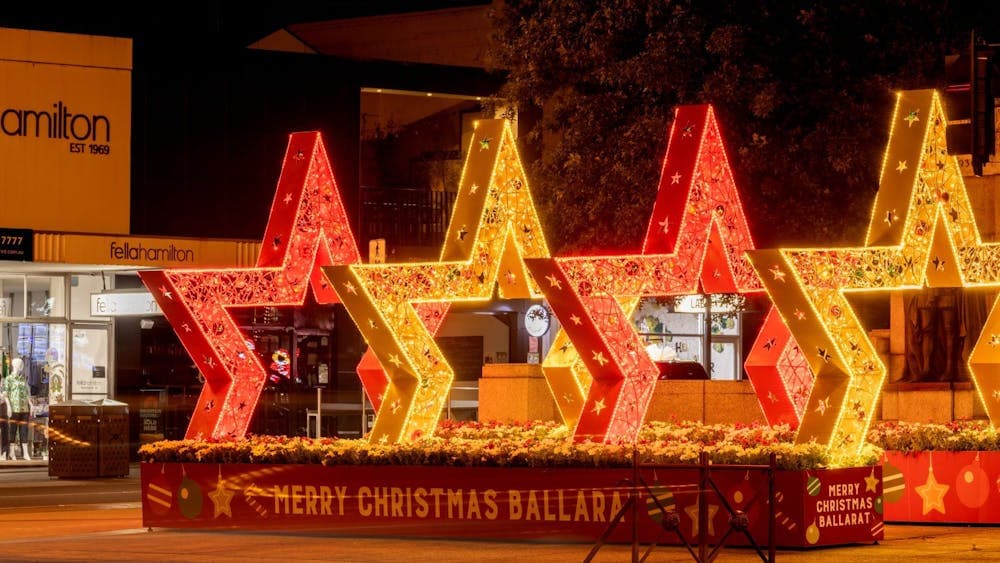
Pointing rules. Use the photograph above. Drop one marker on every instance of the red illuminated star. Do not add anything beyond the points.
(299, 239)
(598, 293)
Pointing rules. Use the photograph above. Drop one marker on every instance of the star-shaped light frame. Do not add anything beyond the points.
(493, 227)
(934, 241)
(307, 229)
(696, 237)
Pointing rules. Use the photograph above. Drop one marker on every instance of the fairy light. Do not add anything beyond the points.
(307, 228)
(494, 226)
(937, 244)
(696, 236)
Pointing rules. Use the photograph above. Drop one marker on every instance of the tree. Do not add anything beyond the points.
(803, 91)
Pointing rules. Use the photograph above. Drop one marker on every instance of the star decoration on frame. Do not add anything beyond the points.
(307, 229)
(932, 218)
(502, 228)
(607, 400)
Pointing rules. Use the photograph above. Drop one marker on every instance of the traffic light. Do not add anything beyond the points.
(969, 103)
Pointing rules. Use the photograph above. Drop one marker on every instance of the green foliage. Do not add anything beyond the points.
(803, 91)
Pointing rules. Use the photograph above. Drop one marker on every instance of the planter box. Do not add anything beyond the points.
(814, 508)
(952, 487)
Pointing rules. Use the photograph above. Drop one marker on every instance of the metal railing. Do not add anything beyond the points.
(738, 521)
(404, 216)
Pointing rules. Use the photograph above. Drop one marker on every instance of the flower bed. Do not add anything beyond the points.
(512, 482)
(537, 444)
(940, 472)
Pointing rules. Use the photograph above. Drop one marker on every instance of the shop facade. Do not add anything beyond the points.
(66, 323)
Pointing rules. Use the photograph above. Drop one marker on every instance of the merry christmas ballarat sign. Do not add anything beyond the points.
(814, 508)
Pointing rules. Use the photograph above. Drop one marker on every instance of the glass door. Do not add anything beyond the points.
(91, 371)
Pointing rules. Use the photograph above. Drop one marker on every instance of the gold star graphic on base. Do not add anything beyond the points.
(932, 493)
(221, 498)
(871, 482)
(933, 223)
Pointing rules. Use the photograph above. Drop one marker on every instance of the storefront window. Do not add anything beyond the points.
(34, 360)
(46, 296)
(674, 330)
(12, 296)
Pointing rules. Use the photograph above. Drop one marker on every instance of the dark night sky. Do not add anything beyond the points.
(197, 25)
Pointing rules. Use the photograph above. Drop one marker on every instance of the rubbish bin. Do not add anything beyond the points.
(88, 439)
(113, 443)
(74, 438)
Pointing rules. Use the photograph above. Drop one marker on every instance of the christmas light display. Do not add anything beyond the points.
(598, 371)
(307, 228)
(922, 233)
(493, 228)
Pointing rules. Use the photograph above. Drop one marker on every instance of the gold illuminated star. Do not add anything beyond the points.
(554, 282)
(469, 269)
(911, 118)
(777, 274)
(576, 319)
(676, 178)
(665, 223)
(851, 374)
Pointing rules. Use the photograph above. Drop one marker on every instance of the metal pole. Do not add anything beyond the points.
(703, 506)
(319, 412)
(770, 511)
(635, 504)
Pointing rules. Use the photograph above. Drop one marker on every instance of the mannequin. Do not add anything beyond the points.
(15, 388)
(4, 417)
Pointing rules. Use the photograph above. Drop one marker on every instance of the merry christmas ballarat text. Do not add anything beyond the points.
(437, 502)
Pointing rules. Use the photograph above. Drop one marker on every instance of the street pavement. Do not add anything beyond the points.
(43, 519)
